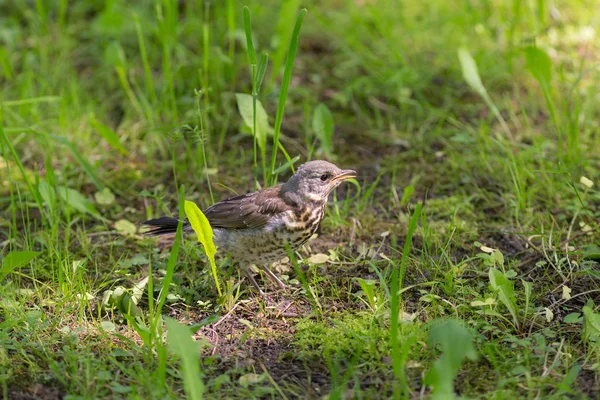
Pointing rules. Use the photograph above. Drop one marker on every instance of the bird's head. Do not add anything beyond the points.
(314, 180)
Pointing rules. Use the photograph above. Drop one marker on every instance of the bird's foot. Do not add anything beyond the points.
(248, 274)
(274, 278)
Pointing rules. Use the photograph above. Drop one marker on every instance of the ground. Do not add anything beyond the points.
(462, 261)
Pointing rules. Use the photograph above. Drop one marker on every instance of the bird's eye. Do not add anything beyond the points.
(324, 177)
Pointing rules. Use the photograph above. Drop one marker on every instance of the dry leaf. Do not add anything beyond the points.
(318, 258)
(566, 293)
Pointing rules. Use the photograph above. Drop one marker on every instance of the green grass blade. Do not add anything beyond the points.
(32, 189)
(285, 84)
(84, 164)
(162, 298)
(261, 70)
(109, 135)
(248, 31)
(286, 17)
(145, 61)
(471, 75)
(397, 280)
(181, 343)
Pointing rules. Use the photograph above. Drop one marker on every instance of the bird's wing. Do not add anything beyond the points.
(250, 211)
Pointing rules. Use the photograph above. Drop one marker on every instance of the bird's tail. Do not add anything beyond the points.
(163, 226)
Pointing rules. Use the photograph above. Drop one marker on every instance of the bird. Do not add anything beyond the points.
(260, 227)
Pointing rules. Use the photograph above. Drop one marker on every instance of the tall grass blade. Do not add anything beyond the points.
(109, 135)
(287, 12)
(30, 186)
(471, 75)
(166, 283)
(253, 73)
(540, 66)
(248, 31)
(261, 70)
(89, 170)
(285, 84)
(145, 62)
(188, 350)
(397, 279)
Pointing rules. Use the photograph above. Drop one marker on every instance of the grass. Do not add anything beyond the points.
(474, 132)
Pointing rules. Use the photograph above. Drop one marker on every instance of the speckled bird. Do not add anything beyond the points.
(258, 228)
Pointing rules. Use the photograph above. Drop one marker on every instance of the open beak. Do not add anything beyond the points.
(345, 175)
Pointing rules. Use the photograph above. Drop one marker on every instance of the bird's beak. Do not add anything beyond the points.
(345, 175)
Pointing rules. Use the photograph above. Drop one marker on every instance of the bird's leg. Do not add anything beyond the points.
(252, 280)
(273, 277)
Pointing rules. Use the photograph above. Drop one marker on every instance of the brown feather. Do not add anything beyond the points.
(249, 211)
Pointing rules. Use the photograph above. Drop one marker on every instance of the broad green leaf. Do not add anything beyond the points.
(105, 197)
(488, 302)
(539, 64)
(78, 201)
(506, 292)
(323, 126)
(47, 193)
(455, 342)
(205, 234)
(511, 273)
(591, 325)
(109, 135)
(122, 299)
(125, 227)
(16, 259)
(211, 319)
(108, 326)
(498, 258)
(406, 195)
(591, 252)
(263, 129)
(573, 318)
(368, 288)
(115, 55)
(251, 379)
(180, 342)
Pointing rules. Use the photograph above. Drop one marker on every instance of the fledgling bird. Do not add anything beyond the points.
(258, 227)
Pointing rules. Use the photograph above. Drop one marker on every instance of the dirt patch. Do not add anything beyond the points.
(588, 382)
(256, 335)
(36, 392)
